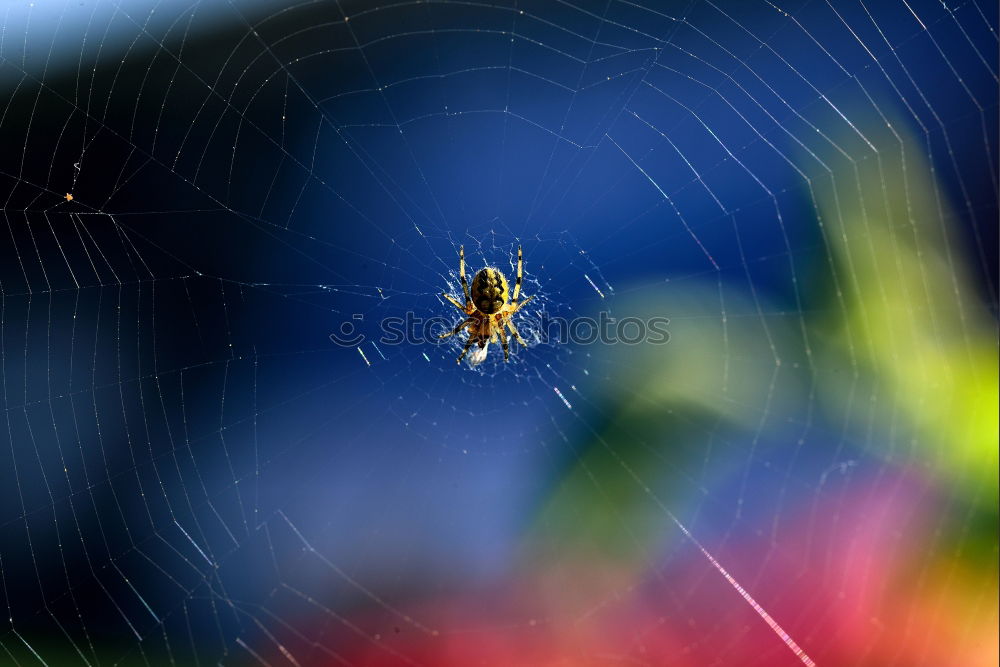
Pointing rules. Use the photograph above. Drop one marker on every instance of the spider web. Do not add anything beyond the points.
(197, 195)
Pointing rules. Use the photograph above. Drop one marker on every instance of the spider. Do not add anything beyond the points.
(487, 311)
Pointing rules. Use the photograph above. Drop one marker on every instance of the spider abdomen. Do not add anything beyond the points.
(489, 291)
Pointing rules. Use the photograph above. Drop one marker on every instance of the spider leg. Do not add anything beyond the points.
(461, 275)
(465, 349)
(503, 343)
(519, 306)
(455, 303)
(458, 328)
(517, 334)
(520, 271)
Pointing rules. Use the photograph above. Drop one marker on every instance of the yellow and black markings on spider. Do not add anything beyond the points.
(487, 311)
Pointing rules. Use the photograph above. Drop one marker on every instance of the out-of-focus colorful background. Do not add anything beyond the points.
(196, 195)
